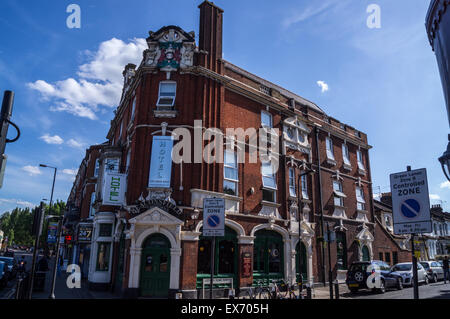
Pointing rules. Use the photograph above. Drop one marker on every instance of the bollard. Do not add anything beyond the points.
(308, 292)
(336, 289)
(231, 293)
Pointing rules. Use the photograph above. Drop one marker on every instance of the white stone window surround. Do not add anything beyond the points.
(329, 150)
(232, 203)
(346, 156)
(167, 91)
(295, 133)
(292, 184)
(359, 156)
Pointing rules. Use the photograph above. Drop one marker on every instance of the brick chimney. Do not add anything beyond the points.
(210, 37)
(386, 198)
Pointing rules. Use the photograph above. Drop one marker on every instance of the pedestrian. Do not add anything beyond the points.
(43, 264)
(446, 272)
(59, 265)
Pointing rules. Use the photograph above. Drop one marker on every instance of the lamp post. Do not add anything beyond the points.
(445, 161)
(52, 293)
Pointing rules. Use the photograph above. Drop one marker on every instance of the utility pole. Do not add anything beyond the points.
(414, 260)
(37, 229)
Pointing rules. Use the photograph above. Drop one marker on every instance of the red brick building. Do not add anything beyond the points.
(151, 244)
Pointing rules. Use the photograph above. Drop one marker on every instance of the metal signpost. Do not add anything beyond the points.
(411, 208)
(213, 225)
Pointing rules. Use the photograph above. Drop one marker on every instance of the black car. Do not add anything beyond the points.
(8, 253)
(358, 273)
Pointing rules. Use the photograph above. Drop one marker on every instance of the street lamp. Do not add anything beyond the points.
(52, 293)
(445, 160)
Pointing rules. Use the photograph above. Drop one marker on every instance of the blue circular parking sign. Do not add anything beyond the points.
(410, 208)
(213, 221)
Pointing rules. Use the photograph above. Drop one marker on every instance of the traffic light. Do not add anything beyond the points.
(5, 116)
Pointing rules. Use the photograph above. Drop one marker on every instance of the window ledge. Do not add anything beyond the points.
(271, 204)
(165, 113)
(347, 167)
(331, 161)
(362, 171)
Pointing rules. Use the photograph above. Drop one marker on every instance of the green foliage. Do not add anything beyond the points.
(17, 224)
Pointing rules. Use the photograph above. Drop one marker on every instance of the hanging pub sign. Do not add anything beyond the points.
(161, 162)
(114, 189)
(84, 234)
(246, 265)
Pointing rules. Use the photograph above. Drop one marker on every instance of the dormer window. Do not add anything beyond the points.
(167, 94)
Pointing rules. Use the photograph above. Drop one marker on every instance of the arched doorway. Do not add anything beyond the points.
(268, 257)
(365, 253)
(301, 262)
(155, 266)
(226, 257)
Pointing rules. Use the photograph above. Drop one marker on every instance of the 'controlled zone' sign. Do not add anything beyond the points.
(214, 217)
(410, 202)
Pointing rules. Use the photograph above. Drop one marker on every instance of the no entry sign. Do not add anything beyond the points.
(410, 202)
(213, 217)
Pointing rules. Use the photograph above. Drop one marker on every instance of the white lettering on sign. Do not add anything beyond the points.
(410, 202)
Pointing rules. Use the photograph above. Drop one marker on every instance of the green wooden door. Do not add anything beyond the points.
(119, 273)
(155, 267)
(301, 262)
(268, 257)
(365, 253)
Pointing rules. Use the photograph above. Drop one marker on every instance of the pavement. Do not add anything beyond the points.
(62, 290)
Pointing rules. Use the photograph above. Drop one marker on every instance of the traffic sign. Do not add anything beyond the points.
(410, 202)
(213, 217)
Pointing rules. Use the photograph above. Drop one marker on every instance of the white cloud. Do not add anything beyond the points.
(32, 170)
(16, 202)
(67, 171)
(435, 197)
(75, 144)
(305, 13)
(445, 184)
(323, 86)
(100, 81)
(52, 139)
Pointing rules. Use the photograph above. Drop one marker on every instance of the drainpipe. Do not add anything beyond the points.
(321, 204)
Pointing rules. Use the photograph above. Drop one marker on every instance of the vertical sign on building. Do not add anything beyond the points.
(161, 162)
(410, 202)
(114, 189)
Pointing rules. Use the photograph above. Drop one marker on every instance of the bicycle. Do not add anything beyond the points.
(258, 292)
(283, 290)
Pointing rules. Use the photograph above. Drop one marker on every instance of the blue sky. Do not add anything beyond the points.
(384, 82)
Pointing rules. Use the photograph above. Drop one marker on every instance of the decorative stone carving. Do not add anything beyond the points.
(170, 48)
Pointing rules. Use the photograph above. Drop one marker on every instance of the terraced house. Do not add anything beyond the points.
(147, 222)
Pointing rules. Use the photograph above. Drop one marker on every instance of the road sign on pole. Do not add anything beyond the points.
(410, 202)
(214, 217)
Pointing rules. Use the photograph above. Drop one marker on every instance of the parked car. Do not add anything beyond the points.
(406, 270)
(10, 264)
(434, 270)
(357, 276)
(9, 253)
(3, 277)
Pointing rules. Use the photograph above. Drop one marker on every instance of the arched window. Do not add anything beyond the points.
(268, 257)
(225, 254)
